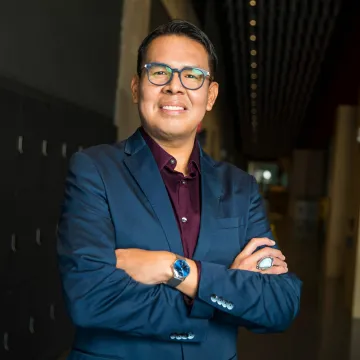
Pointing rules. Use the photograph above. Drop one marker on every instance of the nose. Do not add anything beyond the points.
(174, 86)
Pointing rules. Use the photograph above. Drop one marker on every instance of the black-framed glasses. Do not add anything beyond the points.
(191, 78)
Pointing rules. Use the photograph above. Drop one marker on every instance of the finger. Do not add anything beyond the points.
(254, 243)
(275, 270)
(278, 262)
(267, 252)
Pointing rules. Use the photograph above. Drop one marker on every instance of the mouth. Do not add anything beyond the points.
(173, 109)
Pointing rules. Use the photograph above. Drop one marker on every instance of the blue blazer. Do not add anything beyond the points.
(115, 198)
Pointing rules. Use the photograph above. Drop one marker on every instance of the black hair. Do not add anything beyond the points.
(180, 28)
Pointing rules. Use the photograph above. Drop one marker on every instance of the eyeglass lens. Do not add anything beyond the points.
(191, 78)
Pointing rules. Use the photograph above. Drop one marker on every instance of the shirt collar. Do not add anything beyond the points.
(163, 158)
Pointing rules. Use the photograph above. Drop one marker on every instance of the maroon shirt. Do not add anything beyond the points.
(184, 192)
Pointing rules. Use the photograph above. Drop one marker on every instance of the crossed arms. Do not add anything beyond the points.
(100, 294)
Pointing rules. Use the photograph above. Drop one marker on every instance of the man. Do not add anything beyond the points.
(163, 251)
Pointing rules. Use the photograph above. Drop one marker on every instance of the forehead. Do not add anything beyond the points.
(177, 51)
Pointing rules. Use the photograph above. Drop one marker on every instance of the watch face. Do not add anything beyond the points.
(181, 268)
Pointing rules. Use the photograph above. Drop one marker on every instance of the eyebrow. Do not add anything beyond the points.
(184, 66)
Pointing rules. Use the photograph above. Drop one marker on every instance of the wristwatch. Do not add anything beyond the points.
(181, 271)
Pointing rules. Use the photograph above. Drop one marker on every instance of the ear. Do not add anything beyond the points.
(212, 95)
(135, 83)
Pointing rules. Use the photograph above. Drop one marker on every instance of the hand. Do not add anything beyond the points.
(247, 259)
(144, 266)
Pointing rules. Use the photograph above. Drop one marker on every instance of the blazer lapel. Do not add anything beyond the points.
(143, 168)
(210, 199)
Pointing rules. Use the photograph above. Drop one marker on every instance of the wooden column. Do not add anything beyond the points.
(134, 28)
(345, 136)
(355, 263)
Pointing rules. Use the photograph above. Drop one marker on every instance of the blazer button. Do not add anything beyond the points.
(191, 336)
(230, 306)
(178, 337)
(184, 336)
(220, 300)
(214, 298)
(172, 336)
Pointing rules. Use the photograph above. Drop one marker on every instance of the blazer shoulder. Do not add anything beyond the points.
(100, 153)
(233, 172)
(230, 177)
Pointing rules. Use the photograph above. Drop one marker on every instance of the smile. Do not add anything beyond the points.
(173, 108)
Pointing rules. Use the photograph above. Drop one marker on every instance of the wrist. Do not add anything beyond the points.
(168, 272)
(190, 285)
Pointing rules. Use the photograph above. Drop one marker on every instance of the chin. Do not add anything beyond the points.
(173, 132)
(175, 127)
(176, 132)
(170, 127)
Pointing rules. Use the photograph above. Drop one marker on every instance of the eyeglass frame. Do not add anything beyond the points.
(175, 70)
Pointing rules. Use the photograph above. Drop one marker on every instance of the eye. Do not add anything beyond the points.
(193, 74)
(160, 73)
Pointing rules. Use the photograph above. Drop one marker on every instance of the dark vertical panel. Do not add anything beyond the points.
(38, 136)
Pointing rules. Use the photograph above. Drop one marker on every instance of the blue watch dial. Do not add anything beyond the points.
(181, 268)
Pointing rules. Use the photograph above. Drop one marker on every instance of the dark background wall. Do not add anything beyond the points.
(158, 14)
(58, 71)
(65, 48)
(339, 80)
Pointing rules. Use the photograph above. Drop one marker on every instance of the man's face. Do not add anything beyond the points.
(153, 100)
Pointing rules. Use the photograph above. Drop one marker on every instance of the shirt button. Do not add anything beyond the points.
(184, 219)
(183, 182)
(172, 161)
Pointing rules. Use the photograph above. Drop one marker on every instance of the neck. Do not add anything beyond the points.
(181, 153)
(180, 149)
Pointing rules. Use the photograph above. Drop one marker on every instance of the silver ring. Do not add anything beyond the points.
(265, 263)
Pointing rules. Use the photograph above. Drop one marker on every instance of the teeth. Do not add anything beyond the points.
(173, 108)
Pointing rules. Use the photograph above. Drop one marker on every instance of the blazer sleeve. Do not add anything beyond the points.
(97, 294)
(259, 302)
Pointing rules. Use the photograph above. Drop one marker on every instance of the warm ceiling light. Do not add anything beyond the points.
(253, 95)
(253, 22)
(253, 52)
(254, 76)
(254, 65)
(253, 38)
(254, 86)
(252, 3)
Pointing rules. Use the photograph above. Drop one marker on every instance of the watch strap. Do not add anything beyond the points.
(173, 282)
